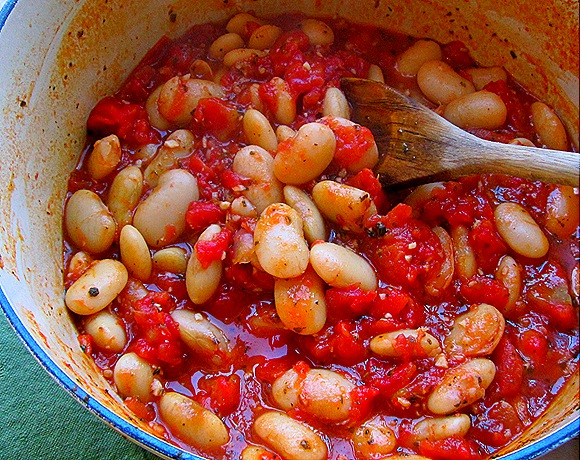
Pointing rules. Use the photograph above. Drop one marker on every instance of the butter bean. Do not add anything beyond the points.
(482, 109)
(436, 428)
(206, 340)
(241, 54)
(548, 126)
(441, 84)
(258, 130)
(461, 386)
(239, 23)
(410, 61)
(88, 222)
(343, 204)
(341, 267)
(562, 211)
(477, 332)
(284, 104)
(509, 273)
(436, 284)
(107, 331)
(172, 260)
(318, 32)
(105, 157)
(179, 144)
(335, 104)
(161, 216)
(385, 345)
(481, 76)
(97, 287)
(300, 302)
(224, 44)
(465, 261)
(191, 422)
(124, 194)
(520, 231)
(292, 439)
(133, 377)
(202, 282)
(135, 253)
(264, 37)
(306, 155)
(279, 242)
(373, 439)
(322, 393)
(312, 221)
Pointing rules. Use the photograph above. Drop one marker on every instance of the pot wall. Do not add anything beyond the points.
(59, 58)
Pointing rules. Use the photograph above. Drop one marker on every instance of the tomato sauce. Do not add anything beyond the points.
(537, 351)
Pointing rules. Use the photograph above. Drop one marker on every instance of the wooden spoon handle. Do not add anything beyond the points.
(419, 146)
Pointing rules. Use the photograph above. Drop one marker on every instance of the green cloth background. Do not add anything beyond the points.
(40, 421)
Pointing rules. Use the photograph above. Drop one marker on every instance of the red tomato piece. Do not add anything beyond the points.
(509, 369)
(201, 214)
(451, 448)
(220, 394)
(208, 251)
(482, 289)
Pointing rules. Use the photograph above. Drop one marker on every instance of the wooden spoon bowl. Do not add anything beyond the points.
(418, 146)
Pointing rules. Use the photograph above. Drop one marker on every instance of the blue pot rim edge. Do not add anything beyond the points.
(154, 444)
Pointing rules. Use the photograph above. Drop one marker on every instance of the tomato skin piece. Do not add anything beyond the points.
(451, 448)
(510, 369)
(126, 120)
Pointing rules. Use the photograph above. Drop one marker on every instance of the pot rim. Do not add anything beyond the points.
(157, 445)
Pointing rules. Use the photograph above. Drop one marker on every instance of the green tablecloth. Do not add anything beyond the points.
(41, 421)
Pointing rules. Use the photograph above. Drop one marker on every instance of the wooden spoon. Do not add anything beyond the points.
(418, 146)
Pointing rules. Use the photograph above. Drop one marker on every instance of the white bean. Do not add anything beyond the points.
(241, 54)
(386, 344)
(465, 261)
(482, 109)
(300, 302)
(373, 439)
(422, 194)
(306, 155)
(202, 282)
(201, 69)
(146, 152)
(476, 332)
(279, 242)
(107, 330)
(343, 204)
(180, 95)
(324, 394)
(78, 264)
(89, 223)
(257, 164)
(152, 107)
(317, 31)
(206, 340)
(335, 104)
(105, 157)
(509, 273)
(259, 131)
(312, 221)
(161, 217)
(441, 84)
(284, 106)
(562, 211)
(241, 206)
(172, 260)
(191, 422)
(520, 231)
(440, 281)
(264, 37)
(258, 453)
(461, 386)
(376, 74)
(292, 439)
(238, 23)
(284, 132)
(124, 194)
(548, 126)
(436, 428)
(522, 141)
(224, 44)
(342, 267)
(481, 76)
(135, 253)
(411, 60)
(133, 377)
(97, 287)
(179, 144)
